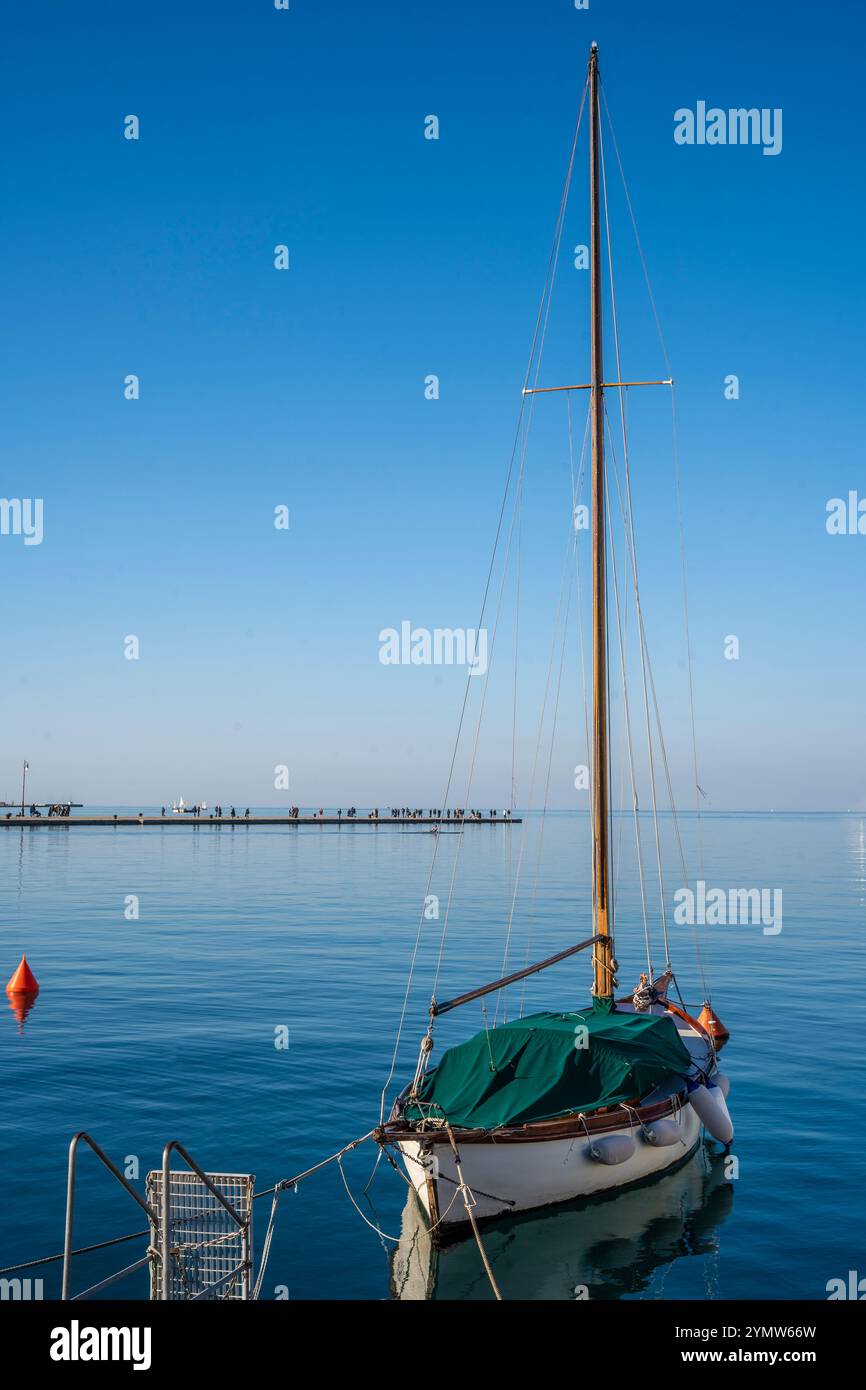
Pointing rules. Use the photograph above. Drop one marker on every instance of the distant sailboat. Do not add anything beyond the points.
(554, 1106)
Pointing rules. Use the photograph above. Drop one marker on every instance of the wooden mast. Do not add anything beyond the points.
(602, 956)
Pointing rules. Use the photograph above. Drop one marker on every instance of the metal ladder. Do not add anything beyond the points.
(200, 1229)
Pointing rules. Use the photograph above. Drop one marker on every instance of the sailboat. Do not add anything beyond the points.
(555, 1106)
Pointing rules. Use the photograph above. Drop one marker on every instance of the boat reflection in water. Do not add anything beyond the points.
(604, 1247)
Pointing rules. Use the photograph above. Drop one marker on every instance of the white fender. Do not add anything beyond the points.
(612, 1148)
(662, 1133)
(709, 1105)
(720, 1079)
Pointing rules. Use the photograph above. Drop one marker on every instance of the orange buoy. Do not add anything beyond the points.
(23, 981)
(710, 1021)
(21, 1004)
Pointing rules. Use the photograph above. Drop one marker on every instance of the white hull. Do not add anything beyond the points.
(511, 1177)
(592, 1249)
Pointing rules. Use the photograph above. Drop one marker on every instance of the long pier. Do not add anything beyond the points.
(197, 822)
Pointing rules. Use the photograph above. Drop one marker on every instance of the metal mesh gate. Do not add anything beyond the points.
(209, 1251)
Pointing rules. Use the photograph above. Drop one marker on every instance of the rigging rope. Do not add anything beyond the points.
(540, 321)
(572, 543)
(698, 790)
(518, 567)
(677, 476)
(546, 800)
(539, 341)
(575, 494)
(627, 722)
(564, 588)
(629, 519)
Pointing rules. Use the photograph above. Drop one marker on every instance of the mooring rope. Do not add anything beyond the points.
(135, 1235)
(266, 1245)
(82, 1250)
(383, 1235)
(461, 1189)
(469, 1202)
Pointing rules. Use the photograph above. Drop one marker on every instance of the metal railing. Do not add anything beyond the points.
(213, 1248)
(70, 1212)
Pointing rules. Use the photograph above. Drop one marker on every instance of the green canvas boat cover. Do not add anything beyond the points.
(548, 1065)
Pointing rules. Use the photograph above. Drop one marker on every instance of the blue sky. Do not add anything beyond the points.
(306, 387)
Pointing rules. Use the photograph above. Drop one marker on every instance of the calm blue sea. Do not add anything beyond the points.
(164, 1027)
